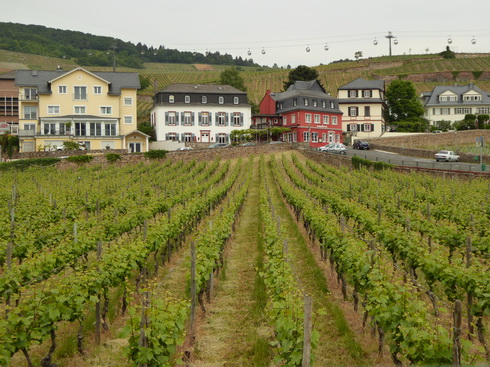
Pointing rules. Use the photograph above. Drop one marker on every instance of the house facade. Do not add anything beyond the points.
(312, 115)
(9, 104)
(98, 110)
(207, 113)
(363, 105)
(452, 103)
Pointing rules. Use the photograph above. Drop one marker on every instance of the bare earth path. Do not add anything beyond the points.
(227, 333)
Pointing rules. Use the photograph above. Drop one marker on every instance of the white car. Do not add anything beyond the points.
(185, 148)
(338, 148)
(447, 156)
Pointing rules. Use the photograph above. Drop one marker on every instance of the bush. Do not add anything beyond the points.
(25, 163)
(358, 162)
(112, 157)
(156, 154)
(80, 158)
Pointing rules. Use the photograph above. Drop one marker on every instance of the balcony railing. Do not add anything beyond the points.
(23, 133)
(29, 97)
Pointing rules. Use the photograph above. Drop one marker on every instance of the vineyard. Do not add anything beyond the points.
(278, 259)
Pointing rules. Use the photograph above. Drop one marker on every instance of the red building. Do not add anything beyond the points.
(313, 115)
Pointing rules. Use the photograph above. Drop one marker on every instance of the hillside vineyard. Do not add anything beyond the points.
(132, 264)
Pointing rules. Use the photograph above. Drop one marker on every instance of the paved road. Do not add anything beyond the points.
(394, 158)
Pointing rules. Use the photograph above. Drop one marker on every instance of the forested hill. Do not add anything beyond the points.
(89, 50)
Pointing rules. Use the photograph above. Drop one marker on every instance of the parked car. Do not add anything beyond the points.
(247, 144)
(437, 131)
(447, 156)
(218, 145)
(338, 148)
(185, 148)
(361, 145)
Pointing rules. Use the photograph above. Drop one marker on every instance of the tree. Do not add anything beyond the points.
(302, 73)
(448, 54)
(232, 77)
(405, 109)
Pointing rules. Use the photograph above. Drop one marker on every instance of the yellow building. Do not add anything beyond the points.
(98, 110)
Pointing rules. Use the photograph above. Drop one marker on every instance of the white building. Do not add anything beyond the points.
(452, 103)
(363, 105)
(199, 113)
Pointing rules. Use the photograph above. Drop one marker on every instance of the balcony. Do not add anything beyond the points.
(27, 133)
(29, 98)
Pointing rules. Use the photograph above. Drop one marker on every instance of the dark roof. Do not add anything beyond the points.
(361, 83)
(303, 89)
(9, 75)
(201, 88)
(41, 79)
(360, 100)
(459, 90)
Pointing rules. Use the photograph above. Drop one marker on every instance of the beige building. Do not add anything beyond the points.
(98, 110)
(363, 105)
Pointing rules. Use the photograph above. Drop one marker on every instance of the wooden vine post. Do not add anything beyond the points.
(457, 334)
(193, 286)
(307, 332)
(469, 294)
(97, 305)
(143, 342)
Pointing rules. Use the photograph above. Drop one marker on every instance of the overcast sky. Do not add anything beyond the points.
(283, 29)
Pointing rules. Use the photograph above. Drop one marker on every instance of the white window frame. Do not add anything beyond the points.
(334, 120)
(187, 119)
(366, 93)
(80, 95)
(221, 119)
(97, 90)
(205, 118)
(306, 102)
(237, 119)
(106, 110)
(284, 120)
(316, 118)
(308, 118)
(128, 101)
(352, 111)
(293, 119)
(236, 100)
(54, 110)
(314, 137)
(221, 100)
(62, 89)
(367, 128)
(306, 136)
(204, 99)
(32, 115)
(128, 119)
(172, 118)
(82, 110)
(326, 119)
(353, 94)
(187, 99)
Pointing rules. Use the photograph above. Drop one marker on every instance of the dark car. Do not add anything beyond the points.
(361, 145)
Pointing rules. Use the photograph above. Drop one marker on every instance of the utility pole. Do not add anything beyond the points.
(114, 57)
(390, 36)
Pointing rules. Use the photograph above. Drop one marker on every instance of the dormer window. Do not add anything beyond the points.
(171, 99)
(187, 99)
(367, 94)
(306, 101)
(352, 93)
(314, 103)
(236, 100)
(332, 104)
(204, 99)
(295, 102)
(221, 100)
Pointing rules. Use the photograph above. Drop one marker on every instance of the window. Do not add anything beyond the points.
(334, 120)
(187, 99)
(49, 129)
(332, 104)
(367, 94)
(308, 118)
(295, 102)
(325, 119)
(171, 118)
(317, 119)
(97, 89)
(128, 119)
(472, 98)
(314, 137)
(445, 111)
(352, 127)
(188, 137)
(236, 100)
(80, 129)
(285, 120)
(352, 111)
(80, 93)
(30, 112)
(172, 136)
(128, 101)
(110, 129)
(187, 119)
(306, 136)
(462, 110)
(367, 127)
(483, 110)
(95, 129)
(205, 119)
(293, 119)
(30, 93)
(221, 119)
(324, 104)
(452, 98)
(171, 99)
(53, 110)
(237, 119)
(61, 89)
(367, 111)
(305, 100)
(31, 127)
(222, 138)
(105, 110)
(352, 93)
(204, 99)
(315, 104)
(79, 110)
(221, 100)
(324, 137)
(443, 98)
